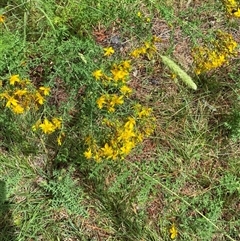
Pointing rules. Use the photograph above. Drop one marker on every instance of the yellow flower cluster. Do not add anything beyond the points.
(20, 95)
(124, 133)
(119, 73)
(118, 77)
(109, 101)
(218, 53)
(233, 8)
(148, 49)
(49, 127)
(123, 137)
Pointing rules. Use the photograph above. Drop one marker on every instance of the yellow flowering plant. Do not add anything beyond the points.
(232, 7)
(124, 124)
(123, 137)
(47, 127)
(147, 49)
(20, 95)
(215, 55)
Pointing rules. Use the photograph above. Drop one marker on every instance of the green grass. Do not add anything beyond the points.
(186, 173)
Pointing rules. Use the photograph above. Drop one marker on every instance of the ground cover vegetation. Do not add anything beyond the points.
(119, 120)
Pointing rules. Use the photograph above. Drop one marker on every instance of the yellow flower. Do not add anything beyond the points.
(57, 123)
(147, 44)
(145, 112)
(88, 154)
(111, 109)
(107, 151)
(173, 231)
(46, 90)
(119, 74)
(125, 90)
(143, 50)
(127, 147)
(237, 13)
(59, 139)
(135, 53)
(97, 74)
(156, 39)
(47, 126)
(17, 109)
(39, 98)
(101, 101)
(116, 100)
(2, 19)
(11, 101)
(14, 78)
(126, 64)
(139, 14)
(130, 123)
(126, 135)
(232, 45)
(20, 92)
(108, 51)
